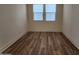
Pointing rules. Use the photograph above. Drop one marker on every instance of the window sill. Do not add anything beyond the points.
(43, 21)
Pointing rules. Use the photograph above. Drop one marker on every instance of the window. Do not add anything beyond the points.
(45, 12)
(50, 12)
(38, 12)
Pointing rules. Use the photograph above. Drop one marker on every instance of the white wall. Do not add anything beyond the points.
(71, 23)
(67, 14)
(75, 24)
(13, 24)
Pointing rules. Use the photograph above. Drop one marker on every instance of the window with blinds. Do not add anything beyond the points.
(45, 12)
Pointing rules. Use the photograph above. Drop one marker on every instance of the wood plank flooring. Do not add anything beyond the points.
(42, 43)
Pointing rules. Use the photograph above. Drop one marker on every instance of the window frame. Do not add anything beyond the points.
(44, 15)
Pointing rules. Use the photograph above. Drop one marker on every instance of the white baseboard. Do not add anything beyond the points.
(3, 48)
(78, 47)
(43, 31)
(7, 45)
(70, 39)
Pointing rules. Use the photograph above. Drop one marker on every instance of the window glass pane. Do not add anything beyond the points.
(38, 12)
(50, 7)
(50, 16)
(50, 12)
(38, 8)
(38, 16)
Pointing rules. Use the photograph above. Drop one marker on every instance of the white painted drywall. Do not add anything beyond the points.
(67, 14)
(75, 24)
(13, 24)
(71, 23)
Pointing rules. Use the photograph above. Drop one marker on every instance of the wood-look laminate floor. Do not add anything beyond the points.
(42, 43)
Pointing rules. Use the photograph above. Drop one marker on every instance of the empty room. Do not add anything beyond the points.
(39, 29)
